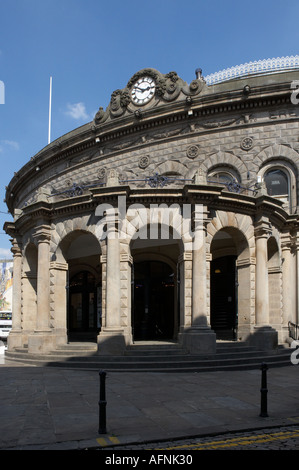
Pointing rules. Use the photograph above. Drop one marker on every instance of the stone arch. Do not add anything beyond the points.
(225, 159)
(66, 227)
(277, 151)
(171, 167)
(229, 171)
(61, 253)
(30, 258)
(139, 221)
(243, 223)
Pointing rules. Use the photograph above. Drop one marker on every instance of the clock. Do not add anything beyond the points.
(143, 90)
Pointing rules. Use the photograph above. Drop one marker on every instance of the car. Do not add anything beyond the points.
(5, 324)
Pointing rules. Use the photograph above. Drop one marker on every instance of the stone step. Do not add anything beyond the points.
(248, 359)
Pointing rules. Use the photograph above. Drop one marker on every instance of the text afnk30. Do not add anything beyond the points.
(158, 459)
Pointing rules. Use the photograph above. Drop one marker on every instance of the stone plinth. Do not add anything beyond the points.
(112, 341)
(199, 340)
(264, 338)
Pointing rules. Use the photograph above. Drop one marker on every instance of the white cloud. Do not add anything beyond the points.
(11, 143)
(77, 111)
(8, 143)
(5, 253)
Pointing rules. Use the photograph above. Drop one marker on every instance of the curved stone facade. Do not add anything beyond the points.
(172, 216)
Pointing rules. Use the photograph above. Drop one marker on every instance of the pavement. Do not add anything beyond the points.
(47, 408)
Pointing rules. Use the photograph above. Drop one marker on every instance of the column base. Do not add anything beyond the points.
(264, 338)
(15, 339)
(41, 342)
(112, 342)
(199, 340)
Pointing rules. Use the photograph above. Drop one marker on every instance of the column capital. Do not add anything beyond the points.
(16, 248)
(262, 228)
(42, 234)
(59, 266)
(288, 241)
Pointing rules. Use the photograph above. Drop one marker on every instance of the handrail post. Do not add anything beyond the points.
(264, 391)
(102, 404)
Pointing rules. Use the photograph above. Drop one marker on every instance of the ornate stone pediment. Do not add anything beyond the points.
(146, 89)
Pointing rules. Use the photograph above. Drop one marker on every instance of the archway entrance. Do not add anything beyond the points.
(230, 284)
(80, 283)
(83, 307)
(153, 301)
(224, 297)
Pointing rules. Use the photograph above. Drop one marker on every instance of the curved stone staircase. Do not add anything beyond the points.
(155, 357)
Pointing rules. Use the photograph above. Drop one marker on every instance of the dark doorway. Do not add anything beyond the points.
(224, 297)
(153, 301)
(82, 317)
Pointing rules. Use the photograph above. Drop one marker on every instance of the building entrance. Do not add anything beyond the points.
(224, 297)
(153, 301)
(82, 311)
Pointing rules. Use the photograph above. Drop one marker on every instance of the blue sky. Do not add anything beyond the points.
(93, 47)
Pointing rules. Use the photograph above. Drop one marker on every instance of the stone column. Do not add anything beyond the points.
(199, 338)
(111, 339)
(58, 299)
(15, 336)
(42, 341)
(261, 279)
(289, 281)
(264, 336)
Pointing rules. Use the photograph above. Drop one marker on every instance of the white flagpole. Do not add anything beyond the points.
(50, 110)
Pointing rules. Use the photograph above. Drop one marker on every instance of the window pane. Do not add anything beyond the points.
(222, 177)
(276, 182)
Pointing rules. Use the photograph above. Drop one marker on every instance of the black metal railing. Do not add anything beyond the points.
(293, 330)
(155, 181)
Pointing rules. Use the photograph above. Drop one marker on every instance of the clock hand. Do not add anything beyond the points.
(142, 89)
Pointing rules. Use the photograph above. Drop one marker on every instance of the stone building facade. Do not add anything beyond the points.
(172, 216)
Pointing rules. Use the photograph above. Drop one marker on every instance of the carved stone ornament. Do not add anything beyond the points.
(192, 151)
(168, 87)
(102, 173)
(247, 143)
(144, 161)
(99, 115)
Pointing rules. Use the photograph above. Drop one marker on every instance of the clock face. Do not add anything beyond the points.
(143, 90)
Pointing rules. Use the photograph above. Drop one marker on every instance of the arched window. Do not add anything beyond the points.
(280, 179)
(223, 174)
(223, 177)
(277, 182)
